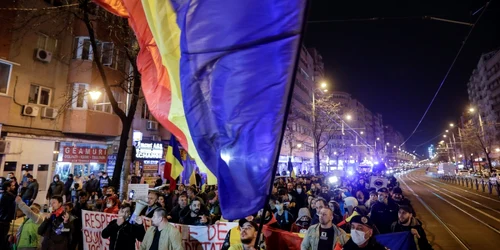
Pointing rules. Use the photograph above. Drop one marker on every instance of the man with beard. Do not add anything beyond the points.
(121, 233)
(407, 223)
(248, 237)
(384, 212)
(162, 235)
(324, 235)
(397, 196)
(196, 217)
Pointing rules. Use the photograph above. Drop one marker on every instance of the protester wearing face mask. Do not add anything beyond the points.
(112, 205)
(384, 212)
(303, 221)
(56, 188)
(283, 216)
(300, 196)
(362, 235)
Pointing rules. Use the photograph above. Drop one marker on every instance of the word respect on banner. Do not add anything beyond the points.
(193, 237)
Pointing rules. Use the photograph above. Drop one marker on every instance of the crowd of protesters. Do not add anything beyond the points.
(346, 214)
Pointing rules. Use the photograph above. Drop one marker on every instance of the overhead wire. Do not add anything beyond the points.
(448, 72)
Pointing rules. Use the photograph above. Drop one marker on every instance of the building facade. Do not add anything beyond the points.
(50, 122)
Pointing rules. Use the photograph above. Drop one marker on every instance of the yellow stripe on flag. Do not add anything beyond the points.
(163, 25)
(177, 167)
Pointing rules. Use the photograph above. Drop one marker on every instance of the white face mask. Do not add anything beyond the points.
(51, 209)
(358, 237)
(299, 190)
(109, 205)
(279, 207)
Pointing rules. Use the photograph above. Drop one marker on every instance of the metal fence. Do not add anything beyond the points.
(479, 184)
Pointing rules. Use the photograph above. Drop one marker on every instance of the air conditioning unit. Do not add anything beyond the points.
(152, 125)
(30, 110)
(4, 147)
(50, 113)
(43, 55)
(156, 138)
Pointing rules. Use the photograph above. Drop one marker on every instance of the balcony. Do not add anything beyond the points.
(4, 108)
(83, 121)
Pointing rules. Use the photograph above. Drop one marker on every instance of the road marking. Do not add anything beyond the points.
(468, 199)
(467, 191)
(465, 204)
(464, 246)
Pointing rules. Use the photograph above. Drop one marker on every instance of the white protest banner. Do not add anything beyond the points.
(138, 192)
(193, 237)
(378, 182)
(92, 225)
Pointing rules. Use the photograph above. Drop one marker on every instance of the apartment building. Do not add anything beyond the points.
(55, 117)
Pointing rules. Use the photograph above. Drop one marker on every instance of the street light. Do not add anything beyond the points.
(447, 131)
(378, 138)
(471, 110)
(95, 94)
(323, 85)
(299, 145)
(361, 132)
(348, 117)
(444, 136)
(497, 149)
(452, 125)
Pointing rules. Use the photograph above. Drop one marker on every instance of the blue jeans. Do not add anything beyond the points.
(28, 202)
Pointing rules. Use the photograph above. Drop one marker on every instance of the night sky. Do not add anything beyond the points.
(395, 66)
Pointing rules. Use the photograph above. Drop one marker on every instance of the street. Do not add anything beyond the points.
(453, 217)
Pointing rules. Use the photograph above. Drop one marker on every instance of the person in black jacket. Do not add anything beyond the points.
(57, 228)
(384, 212)
(407, 223)
(7, 210)
(31, 191)
(56, 188)
(197, 215)
(362, 235)
(180, 210)
(67, 187)
(121, 233)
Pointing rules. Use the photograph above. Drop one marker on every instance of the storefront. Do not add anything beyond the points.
(149, 156)
(81, 159)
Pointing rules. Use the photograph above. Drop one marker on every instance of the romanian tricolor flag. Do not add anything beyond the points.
(173, 163)
(218, 74)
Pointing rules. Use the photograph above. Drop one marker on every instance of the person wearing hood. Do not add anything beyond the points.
(407, 223)
(56, 188)
(362, 235)
(303, 221)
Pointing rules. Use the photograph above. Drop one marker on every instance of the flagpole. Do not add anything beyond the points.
(287, 110)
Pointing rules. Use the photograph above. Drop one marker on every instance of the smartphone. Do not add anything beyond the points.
(131, 195)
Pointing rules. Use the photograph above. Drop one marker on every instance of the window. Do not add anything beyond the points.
(39, 95)
(82, 48)
(145, 114)
(107, 53)
(80, 96)
(5, 71)
(119, 61)
(46, 43)
(104, 105)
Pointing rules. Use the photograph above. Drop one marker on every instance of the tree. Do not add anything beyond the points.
(326, 123)
(99, 24)
(479, 137)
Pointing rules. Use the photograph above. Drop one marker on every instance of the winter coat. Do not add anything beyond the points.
(170, 239)
(56, 188)
(383, 215)
(7, 207)
(67, 185)
(27, 235)
(423, 243)
(123, 237)
(302, 224)
(56, 234)
(372, 245)
(31, 191)
(177, 213)
(311, 239)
